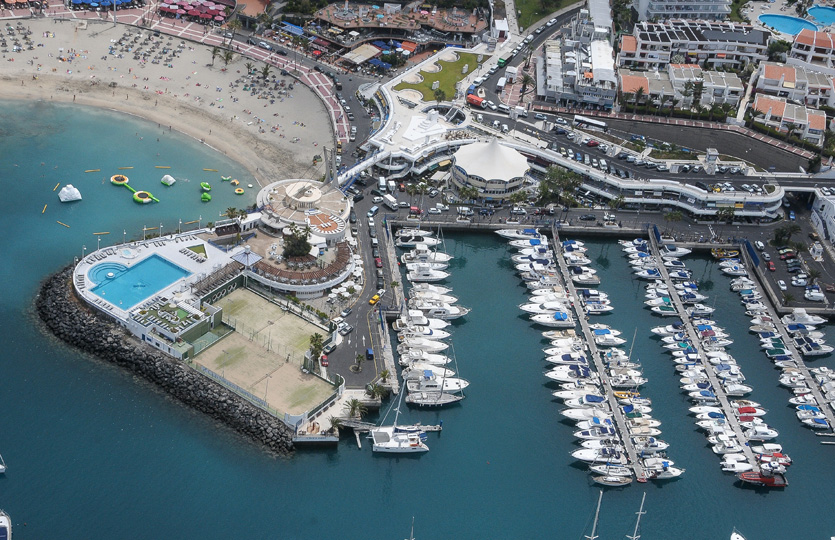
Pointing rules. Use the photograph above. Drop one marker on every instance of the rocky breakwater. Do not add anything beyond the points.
(71, 320)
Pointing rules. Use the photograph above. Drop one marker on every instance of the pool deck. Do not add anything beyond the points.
(753, 10)
(173, 248)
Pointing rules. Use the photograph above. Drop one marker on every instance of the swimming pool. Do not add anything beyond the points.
(786, 24)
(822, 14)
(127, 287)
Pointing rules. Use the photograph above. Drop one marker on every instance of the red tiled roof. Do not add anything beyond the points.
(629, 84)
(764, 103)
(774, 72)
(628, 44)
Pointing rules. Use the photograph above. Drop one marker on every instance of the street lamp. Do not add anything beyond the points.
(124, 235)
(83, 249)
(98, 246)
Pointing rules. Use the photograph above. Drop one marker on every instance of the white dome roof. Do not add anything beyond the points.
(491, 161)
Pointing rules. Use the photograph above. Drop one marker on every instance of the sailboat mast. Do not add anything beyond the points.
(596, 515)
(635, 535)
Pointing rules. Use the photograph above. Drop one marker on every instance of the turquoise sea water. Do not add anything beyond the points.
(95, 453)
(786, 24)
(823, 14)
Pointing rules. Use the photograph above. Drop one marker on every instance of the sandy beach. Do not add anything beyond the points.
(272, 130)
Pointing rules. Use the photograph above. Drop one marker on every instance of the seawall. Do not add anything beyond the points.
(74, 323)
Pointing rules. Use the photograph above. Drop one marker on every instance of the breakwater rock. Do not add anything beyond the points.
(72, 321)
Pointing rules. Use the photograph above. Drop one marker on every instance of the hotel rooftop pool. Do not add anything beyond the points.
(125, 286)
(786, 24)
(822, 14)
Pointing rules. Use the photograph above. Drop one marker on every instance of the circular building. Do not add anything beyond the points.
(495, 170)
(305, 203)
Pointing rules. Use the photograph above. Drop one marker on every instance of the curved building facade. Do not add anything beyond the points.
(495, 170)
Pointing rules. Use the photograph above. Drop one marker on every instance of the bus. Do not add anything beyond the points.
(503, 62)
(589, 123)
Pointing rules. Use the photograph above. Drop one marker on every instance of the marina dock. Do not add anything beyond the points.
(617, 414)
(718, 389)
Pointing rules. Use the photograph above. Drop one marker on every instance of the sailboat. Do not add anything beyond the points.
(635, 535)
(593, 535)
(391, 440)
(736, 535)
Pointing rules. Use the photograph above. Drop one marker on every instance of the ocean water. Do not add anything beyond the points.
(94, 452)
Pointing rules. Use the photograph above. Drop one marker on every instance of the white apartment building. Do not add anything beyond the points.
(808, 124)
(579, 69)
(703, 10)
(814, 51)
(718, 87)
(709, 44)
(795, 83)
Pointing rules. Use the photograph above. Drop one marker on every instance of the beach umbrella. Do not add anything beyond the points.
(205, 16)
(181, 11)
(380, 15)
(375, 7)
(218, 18)
(193, 12)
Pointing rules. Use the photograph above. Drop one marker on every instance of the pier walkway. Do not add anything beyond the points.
(718, 389)
(789, 342)
(617, 414)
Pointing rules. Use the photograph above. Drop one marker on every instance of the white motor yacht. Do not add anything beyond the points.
(670, 250)
(434, 297)
(560, 319)
(422, 331)
(800, 316)
(415, 317)
(430, 383)
(519, 234)
(417, 370)
(424, 272)
(413, 241)
(419, 355)
(416, 266)
(424, 344)
(422, 253)
(446, 312)
(5, 526)
(545, 307)
(428, 287)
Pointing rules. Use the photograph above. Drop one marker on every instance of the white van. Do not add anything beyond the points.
(504, 108)
(505, 128)
(604, 166)
(529, 38)
(373, 211)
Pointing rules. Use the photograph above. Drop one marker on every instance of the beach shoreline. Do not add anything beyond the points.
(271, 138)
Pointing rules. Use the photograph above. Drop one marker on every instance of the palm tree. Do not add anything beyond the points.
(673, 103)
(726, 214)
(625, 98)
(616, 203)
(517, 197)
(790, 129)
(384, 375)
(468, 193)
(317, 343)
(639, 93)
(215, 51)
(265, 71)
(336, 423)
(726, 109)
(440, 95)
(787, 298)
(377, 391)
(783, 234)
(814, 274)
(227, 57)
(249, 67)
(687, 92)
(231, 212)
(355, 408)
(234, 25)
(527, 82)
(672, 217)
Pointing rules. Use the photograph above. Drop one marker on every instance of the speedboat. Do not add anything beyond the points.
(434, 297)
(763, 479)
(519, 234)
(607, 455)
(419, 355)
(800, 316)
(419, 266)
(544, 307)
(767, 448)
(429, 383)
(442, 311)
(424, 272)
(670, 250)
(604, 338)
(418, 369)
(577, 374)
(524, 243)
(422, 331)
(665, 310)
(427, 345)
(735, 466)
(700, 310)
(596, 308)
(569, 358)
(633, 242)
(560, 319)
(648, 273)
(664, 473)
(649, 445)
(733, 389)
(596, 433)
(597, 444)
(406, 241)
(669, 330)
(816, 423)
(737, 270)
(588, 401)
(576, 392)
(575, 259)
(422, 253)
(416, 318)
(428, 287)
(5, 526)
(761, 433)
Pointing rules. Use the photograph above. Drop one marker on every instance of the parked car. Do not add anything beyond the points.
(771, 266)
(759, 245)
(766, 257)
(434, 210)
(345, 312)
(324, 360)
(378, 262)
(781, 284)
(588, 217)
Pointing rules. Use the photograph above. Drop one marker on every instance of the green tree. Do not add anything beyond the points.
(788, 298)
(698, 90)
(518, 197)
(468, 193)
(673, 217)
(777, 50)
(249, 67)
(783, 234)
(726, 214)
(527, 82)
(440, 95)
(814, 275)
(616, 202)
(215, 51)
(231, 212)
(639, 94)
(265, 71)
(377, 391)
(384, 375)
(228, 56)
(355, 408)
(317, 343)
(234, 25)
(559, 183)
(296, 244)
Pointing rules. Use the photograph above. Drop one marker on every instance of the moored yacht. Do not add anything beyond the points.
(424, 272)
(519, 234)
